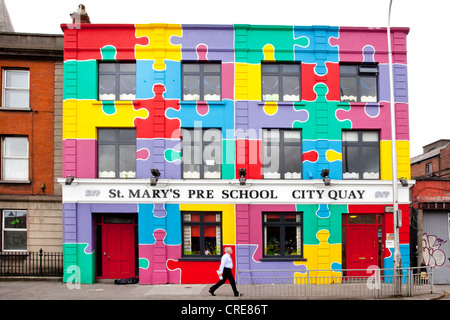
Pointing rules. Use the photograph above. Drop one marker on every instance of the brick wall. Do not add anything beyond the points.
(37, 124)
(445, 158)
(439, 162)
(42, 123)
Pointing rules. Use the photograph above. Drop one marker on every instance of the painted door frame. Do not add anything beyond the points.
(121, 248)
(369, 253)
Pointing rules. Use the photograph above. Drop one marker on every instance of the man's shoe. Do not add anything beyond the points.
(237, 294)
(212, 292)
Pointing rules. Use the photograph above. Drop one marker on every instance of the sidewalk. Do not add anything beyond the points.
(180, 301)
(57, 290)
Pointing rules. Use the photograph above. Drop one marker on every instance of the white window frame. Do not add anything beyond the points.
(5, 158)
(5, 88)
(5, 229)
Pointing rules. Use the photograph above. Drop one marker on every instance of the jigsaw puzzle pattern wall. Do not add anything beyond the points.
(158, 112)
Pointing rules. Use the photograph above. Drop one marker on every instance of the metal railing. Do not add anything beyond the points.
(31, 263)
(345, 283)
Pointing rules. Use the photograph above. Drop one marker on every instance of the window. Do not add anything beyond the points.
(280, 82)
(202, 234)
(429, 168)
(282, 234)
(117, 81)
(16, 88)
(359, 83)
(15, 158)
(282, 154)
(117, 153)
(202, 153)
(202, 81)
(14, 230)
(360, 155)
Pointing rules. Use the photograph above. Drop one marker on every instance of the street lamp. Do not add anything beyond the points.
(326, 178)
(242, 174)
(397, 257)
(155, 177)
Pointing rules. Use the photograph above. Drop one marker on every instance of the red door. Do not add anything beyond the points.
(362, 248)
(118, 257)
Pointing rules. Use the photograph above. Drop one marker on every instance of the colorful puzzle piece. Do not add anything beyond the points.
(90, 115)
(159, 45)
(157, 125)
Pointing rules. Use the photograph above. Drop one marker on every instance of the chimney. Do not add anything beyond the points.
(81, 15)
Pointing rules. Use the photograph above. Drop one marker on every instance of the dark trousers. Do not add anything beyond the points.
(226, 275)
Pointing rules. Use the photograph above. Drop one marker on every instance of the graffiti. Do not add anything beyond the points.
(433, 256)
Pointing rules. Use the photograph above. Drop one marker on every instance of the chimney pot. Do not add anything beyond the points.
(81, 15)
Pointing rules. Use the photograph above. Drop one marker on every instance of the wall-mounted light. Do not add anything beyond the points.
(404, 182)
(69, 180)
(154, 179)
(326, 178)
(242, 174)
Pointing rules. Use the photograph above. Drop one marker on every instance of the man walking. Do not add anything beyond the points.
(226, 265)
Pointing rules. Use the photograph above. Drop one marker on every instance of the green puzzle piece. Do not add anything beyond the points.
(322, 123)
(250, 41)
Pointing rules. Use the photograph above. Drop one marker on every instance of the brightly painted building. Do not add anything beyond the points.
(203, 103)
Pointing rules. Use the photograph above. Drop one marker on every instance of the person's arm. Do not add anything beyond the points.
(222, 264)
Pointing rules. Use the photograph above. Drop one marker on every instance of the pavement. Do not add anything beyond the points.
(55, 289)
(174, 301)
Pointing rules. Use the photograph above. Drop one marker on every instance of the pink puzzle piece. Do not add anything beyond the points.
(363, 116)
(377, 116)
(153, 268)
(352, 42)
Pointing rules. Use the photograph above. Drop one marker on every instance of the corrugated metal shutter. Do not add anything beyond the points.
(437, 244)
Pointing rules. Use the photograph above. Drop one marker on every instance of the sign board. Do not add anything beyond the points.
(229, 191)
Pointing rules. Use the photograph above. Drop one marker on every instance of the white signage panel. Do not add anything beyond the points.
(230, 191)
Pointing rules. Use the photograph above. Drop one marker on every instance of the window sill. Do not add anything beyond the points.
(200, 259)
(115, 102)
(15, 109)
(15, 181)
(282, 103)
(283, 258)
(221, 102)
(15, 253)
(361, 179)
(359, 104)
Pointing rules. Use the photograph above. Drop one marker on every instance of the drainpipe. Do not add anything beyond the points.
(397, 256)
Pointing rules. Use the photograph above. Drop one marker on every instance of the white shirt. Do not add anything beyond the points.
(225, 262)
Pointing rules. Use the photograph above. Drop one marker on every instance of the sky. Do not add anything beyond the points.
(428, 83)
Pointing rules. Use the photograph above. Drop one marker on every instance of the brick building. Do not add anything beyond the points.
(430, 210)
(30, 140)
(434, 162)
